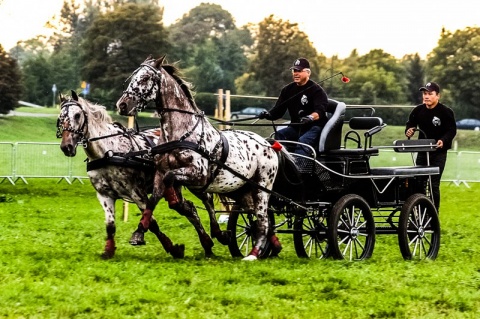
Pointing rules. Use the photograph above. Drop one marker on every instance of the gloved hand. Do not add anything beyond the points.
(306, 119)
(264, 115)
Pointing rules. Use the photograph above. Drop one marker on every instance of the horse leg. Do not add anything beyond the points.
(224, 237)
(263, 227)
(177, 251)
(138, 236)
(108, 205)
(173, 196)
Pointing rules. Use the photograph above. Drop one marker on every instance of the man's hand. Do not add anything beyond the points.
(264, 115)
(409, 133)
(306, 119)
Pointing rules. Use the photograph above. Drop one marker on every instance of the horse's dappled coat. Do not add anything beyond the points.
(250, 156)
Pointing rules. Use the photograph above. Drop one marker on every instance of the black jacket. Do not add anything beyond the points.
(301, 101)
(437, 123)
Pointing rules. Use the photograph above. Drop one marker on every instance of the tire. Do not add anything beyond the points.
(419, 229)
(310, 236)
(242, 226)
(351, 229)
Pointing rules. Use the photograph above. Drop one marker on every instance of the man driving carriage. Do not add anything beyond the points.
(306, 102)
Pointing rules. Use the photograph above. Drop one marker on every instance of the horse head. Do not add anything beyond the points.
(144, 87)
(71, 124)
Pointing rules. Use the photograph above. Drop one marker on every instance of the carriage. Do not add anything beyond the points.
(332, 201)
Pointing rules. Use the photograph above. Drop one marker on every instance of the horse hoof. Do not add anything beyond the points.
(178, 251)
(137, 239)
(225, 238)
(108, 254)
(250, 258)
(276, 246)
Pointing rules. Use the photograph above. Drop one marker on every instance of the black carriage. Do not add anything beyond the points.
(334, 203)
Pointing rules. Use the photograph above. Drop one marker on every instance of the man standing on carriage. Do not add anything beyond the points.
(306, 102)
(437, 121)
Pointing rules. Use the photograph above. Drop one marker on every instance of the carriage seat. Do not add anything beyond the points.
(370, 125)
(331, 135)
(403, 146)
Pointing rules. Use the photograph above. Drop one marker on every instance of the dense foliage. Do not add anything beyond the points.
(102, 42)
(10, 88)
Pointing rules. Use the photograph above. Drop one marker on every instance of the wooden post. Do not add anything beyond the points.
(131, 123)
(220, 111)
(227, 106)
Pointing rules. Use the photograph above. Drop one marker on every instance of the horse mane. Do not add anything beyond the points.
(97, 114)
(185, 85)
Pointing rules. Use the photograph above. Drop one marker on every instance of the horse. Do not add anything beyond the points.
(236, 164)
(112, 175)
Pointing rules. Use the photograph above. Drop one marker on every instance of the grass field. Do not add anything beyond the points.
(52, 235)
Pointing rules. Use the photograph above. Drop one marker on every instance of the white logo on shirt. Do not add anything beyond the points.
(436, 121)
(304, 100)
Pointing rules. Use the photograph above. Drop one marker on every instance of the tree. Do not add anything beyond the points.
(115, 45)
(387, 78)
(455, 65)
(415, 77)
(278, 44)
(38, 79)
(203, 22)
(10, 82)
(210, 47)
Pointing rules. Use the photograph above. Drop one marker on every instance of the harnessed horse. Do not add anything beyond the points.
(112, 175)
(240, 165)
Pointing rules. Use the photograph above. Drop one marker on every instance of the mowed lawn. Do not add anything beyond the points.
(52, 235)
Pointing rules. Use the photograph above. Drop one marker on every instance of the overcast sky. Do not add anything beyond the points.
(398, 27)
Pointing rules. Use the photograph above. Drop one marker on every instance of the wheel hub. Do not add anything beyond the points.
(354, 232)
(421, 232)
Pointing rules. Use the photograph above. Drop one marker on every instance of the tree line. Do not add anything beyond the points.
(102, 42)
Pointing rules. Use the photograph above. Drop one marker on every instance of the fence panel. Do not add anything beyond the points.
(40, 160)
(7, 162)
(468, 166)
(23, 160)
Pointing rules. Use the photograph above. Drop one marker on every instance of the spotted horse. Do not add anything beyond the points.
(239, 165)
(113, 175)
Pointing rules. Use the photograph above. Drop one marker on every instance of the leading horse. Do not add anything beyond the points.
(240, 165)
(112, 175)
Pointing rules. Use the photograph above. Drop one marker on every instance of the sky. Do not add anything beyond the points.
(335, 27)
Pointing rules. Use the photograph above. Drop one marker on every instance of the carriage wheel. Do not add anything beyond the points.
(351, 229)
(243, 227)
(310, 235)
(419, 228)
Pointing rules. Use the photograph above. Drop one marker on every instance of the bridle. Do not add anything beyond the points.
(62, 119)
(156, 77)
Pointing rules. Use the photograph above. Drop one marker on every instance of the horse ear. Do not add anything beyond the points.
(74, 95)
(62, 98)
(149, 57)
(159, 62)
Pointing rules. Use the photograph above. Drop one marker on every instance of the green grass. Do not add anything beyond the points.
(52, 235)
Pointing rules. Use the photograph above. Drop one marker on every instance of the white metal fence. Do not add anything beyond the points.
(23, 160)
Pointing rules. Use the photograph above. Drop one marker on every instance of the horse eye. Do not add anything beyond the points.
(77, 116)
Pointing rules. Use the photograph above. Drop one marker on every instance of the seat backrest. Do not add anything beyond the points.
(331, 136)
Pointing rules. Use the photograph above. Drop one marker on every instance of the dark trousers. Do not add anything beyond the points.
(310, 137)
(439, 159)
